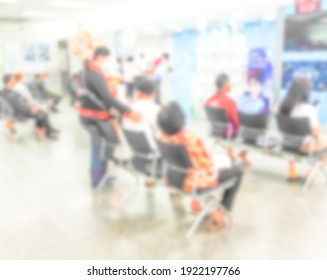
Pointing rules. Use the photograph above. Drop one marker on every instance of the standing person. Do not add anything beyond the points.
(43, 93)
(95, 115)
(130, 74)
(159, 68)
(22, 110)
(142, 65)
(120, 66)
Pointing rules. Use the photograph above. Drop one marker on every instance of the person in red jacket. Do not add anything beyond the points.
(222, 100)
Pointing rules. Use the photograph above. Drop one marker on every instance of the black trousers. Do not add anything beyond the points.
(55, 99)
(41, 121)
(100, 132)
(230, 194)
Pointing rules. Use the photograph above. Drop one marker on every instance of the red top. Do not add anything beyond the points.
(95, 68)
(223, 101)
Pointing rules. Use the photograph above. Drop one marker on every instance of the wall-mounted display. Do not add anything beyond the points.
(30, 53)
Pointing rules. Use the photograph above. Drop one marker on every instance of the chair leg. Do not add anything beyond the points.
(103, 181)
(199, 219)
(312, 173)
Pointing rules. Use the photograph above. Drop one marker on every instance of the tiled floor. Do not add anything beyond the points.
(48, 210)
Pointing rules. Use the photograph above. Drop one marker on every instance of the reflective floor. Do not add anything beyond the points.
(48, 210)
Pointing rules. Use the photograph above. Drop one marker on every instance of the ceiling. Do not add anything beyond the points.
(23, 10)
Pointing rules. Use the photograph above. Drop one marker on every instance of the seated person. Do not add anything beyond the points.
(222, 100)
(253, 102)
(145, 103)
(24, 91)
(23, 110)
(297, 105)
(40, 91)
(171, 121)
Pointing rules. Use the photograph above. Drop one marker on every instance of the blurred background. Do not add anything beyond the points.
(48, 209)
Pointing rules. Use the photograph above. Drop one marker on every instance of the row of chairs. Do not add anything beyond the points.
(254, 132)
(171, 163)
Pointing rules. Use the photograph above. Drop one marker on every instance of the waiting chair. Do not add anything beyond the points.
(145, 159)
(253, 130)
(294, 132)
(220, 126)
(176, 165)
(6, 111)
(7, 115)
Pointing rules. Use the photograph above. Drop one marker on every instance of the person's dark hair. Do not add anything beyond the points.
(6, 78)
(166, 55)
(130, 59)
(119, 60)
(37, 76)
(298, 92)
(101, 51)
(145, 85)
(221, 80)
(171, 119)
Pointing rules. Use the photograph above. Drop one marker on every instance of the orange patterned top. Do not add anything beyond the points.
(203, 171)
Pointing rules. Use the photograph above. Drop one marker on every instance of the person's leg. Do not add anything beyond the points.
(42, 121)
(109, 135)
(319, 144)
(229, 194)
(55, 100)
(98, 167)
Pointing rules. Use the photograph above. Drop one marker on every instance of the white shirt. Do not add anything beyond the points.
(142, 66)
(307, 111)
(130, 72)
(23, 90)
(149, 111)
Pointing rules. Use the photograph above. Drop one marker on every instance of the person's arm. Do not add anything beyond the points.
(102, 89)
(21, 104)
(314, 122)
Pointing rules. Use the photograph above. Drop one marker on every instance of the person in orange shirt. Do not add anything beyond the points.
(171, 120)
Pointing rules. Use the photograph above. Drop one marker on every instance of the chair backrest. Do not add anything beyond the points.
(218, 119)
(138, 142)
(177, 162)
(6, 111)
(252, 127)
(216, 115)
(294, 131)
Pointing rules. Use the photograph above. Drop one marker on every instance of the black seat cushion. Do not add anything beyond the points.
(145, 166)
